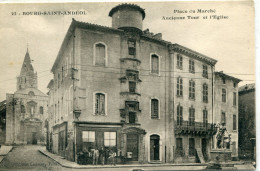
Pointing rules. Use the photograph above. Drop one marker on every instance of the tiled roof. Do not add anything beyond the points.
(192, 53)
(221, 74)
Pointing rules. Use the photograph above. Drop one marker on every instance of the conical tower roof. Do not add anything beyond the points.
(27, 67)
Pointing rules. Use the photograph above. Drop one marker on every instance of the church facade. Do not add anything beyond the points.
(26, 109)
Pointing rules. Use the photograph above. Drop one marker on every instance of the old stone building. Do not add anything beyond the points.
(26, 109)
(129, 90)
(226, 116)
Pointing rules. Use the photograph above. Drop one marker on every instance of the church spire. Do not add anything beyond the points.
(27, 77)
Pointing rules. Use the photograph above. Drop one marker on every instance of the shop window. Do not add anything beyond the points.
(88, 136)
(109, 139)
(179, 115)
(179, 87)
(154, 109)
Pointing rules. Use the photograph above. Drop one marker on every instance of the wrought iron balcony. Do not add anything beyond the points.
(199, 128)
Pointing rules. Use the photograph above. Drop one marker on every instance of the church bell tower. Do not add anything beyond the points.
(27, 77)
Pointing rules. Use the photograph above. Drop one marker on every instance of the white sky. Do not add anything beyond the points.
(231, 41)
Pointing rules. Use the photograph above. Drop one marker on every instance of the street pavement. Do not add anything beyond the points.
(29, 158)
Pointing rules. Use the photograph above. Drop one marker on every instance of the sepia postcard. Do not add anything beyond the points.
(128, 85)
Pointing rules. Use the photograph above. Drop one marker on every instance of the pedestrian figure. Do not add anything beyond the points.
(102, 155)
(112, 156)
(95, 156)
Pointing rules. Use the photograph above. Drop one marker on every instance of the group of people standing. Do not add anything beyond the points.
(97, 156)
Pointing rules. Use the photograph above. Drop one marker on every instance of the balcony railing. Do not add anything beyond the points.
(185, 127)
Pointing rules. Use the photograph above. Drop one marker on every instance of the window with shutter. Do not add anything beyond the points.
(205, 117)
(155, 64)
(179, 87)
(179, 61)
(192, 89)
(205, 93)
(191, 116)
(154, 109)
(191, 66)
(179, 115)
(224, 94)
(100, 55)
(205, 71)
(100, 104)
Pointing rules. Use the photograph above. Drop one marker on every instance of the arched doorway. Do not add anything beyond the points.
(154, 147)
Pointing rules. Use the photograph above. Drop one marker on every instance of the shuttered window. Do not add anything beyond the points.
(155, 64)
(154, 109)
(179, 115)
(100, 54)
(205, 93)
(191, 66)
(179, 86)
(191, 116)
(100, 104)
(205, 117)
(179, 61)
(192, 89)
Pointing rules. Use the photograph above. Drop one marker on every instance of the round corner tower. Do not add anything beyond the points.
(127, 16)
